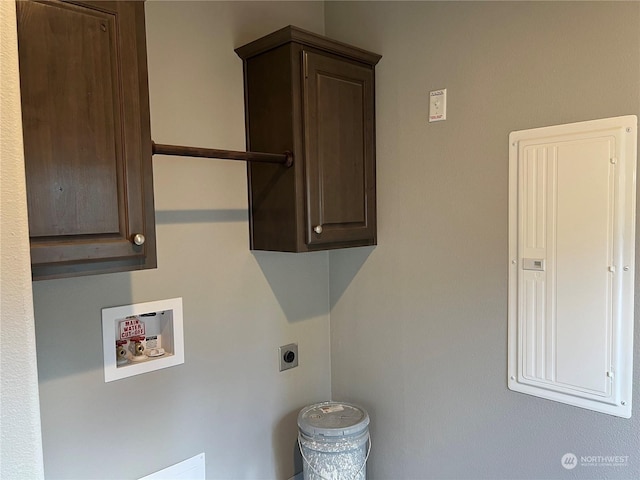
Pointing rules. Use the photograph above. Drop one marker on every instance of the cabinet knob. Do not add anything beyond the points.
(139, 239)
(318, 229)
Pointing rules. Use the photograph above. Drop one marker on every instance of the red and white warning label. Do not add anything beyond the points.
(131, 327)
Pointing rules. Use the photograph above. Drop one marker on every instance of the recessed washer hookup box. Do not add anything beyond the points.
(141, 338)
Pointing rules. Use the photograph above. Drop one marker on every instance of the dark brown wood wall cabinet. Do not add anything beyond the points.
(312, 96)
(85, 109)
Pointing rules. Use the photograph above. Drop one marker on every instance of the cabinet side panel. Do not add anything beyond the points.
(137, 130)
(270, 113)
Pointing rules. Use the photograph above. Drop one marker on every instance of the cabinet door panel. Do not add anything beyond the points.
(342, 178)
(72, 187)
(86, 135)
(339, 147)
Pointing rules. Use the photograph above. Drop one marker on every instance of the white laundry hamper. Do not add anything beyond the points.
(334, 441)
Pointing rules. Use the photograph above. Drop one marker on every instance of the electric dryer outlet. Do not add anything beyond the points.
(288, 355)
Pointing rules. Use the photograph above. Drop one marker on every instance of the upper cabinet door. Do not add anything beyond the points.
(339, 147)
(86, 136)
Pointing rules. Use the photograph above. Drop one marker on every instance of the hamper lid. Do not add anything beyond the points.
(333, 419)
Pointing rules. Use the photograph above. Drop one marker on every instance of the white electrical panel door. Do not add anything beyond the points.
(571, 246)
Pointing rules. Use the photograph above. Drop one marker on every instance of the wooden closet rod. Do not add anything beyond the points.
(285, 159)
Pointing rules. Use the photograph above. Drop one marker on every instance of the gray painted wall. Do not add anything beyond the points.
(228, 399)
(419, 323)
